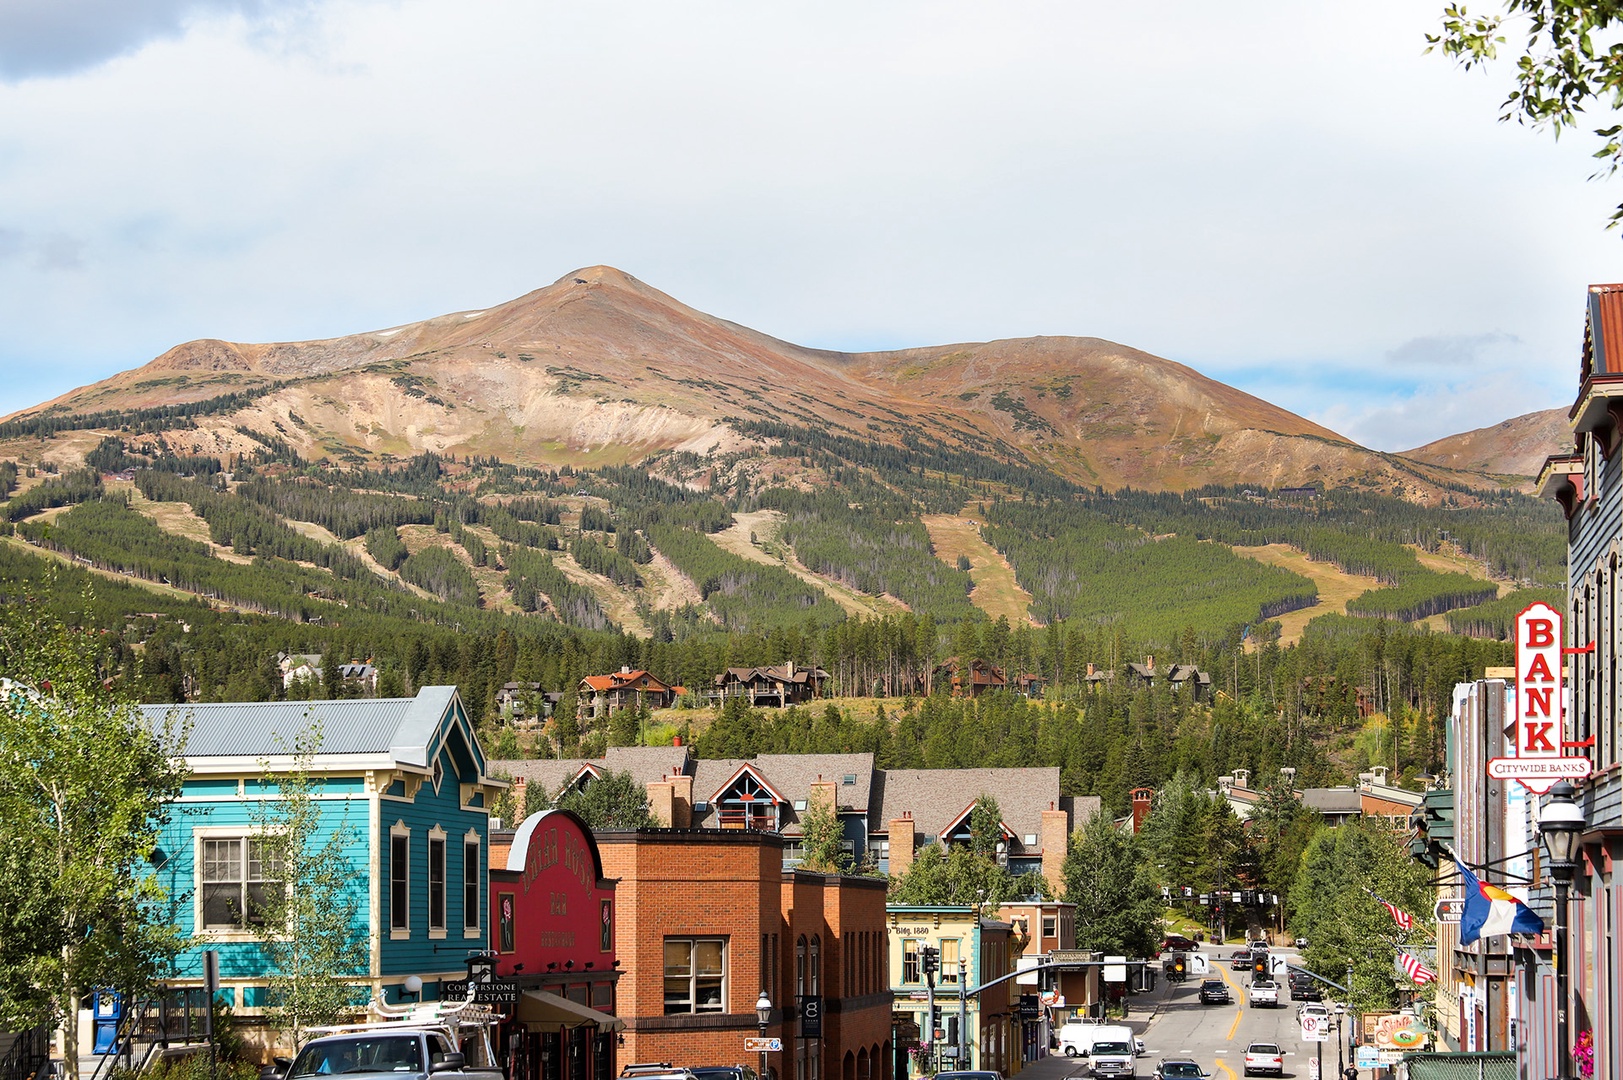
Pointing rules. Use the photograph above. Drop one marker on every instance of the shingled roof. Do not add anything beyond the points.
(937, 797)
(645, 764)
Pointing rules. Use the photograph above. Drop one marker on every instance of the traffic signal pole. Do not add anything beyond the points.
(963, 1013)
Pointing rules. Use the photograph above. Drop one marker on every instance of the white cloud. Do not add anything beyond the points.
(1206, 186)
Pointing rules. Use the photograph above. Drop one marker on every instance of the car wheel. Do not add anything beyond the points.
(1070, 1051)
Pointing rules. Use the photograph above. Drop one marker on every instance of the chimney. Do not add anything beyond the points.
(676, 740)
(789, 668)
(1149, 661)
(902, 838)
(625, 669)
(822, 792)
(1055, 835)
(1378, 774)
(520, 783)
(661, 803)
(681, 801)
(1143, 802)
(1242, 778)
(1091, 669)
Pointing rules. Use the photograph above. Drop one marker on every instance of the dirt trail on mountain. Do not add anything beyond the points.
(996, 590)
(1335, 586)
(769, 550)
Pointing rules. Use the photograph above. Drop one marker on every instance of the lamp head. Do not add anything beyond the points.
(763, 1008)
(1560, 823)
(412, 985)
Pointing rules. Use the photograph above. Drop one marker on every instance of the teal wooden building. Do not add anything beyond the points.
(403, 781)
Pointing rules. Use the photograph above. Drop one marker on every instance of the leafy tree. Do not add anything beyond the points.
(956, 877)
(612, 801)
(1332, 905)
(84, 790)
(1566, 65)
(312, 940)
(1282, 828)
(985, 827)
(821, 839)
(1110, 879)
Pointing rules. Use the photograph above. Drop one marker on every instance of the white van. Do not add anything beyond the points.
(1076, 1038)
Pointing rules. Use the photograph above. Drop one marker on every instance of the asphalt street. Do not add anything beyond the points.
(1174, 1024)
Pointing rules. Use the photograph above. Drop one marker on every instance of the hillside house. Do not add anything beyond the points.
(971, 679)
(778, 687)
(604, 695)
(402, 781)
(1178, 676)
(525, 703)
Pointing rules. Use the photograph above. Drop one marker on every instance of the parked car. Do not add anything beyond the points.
(1264, 992)
(1266, 1058)
(1312, 1007)
(1214, 992)
(655, 1070)
(1301, 943)
(401, 1052)
(723, 1072)
(966, 1074)
(1180, 1069)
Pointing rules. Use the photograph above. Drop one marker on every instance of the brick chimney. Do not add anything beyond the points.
(520, 783)
(1143, 801)
(662, 802)
(1056, 834)
(1091, 669)
(902, 836)
(681, 801)
(823, 792)
(1149, 661)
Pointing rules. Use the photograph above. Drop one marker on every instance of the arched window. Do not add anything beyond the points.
(800, 964)
(816, 965)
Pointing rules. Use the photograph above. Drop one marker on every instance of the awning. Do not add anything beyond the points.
(539, 1010)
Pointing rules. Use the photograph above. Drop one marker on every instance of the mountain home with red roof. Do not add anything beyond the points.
(600, 696)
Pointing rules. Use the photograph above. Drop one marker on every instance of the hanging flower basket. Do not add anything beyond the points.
(1583, 1055)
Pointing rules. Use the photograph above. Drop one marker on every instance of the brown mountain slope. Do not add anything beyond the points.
(600, 368)
(1514, 447)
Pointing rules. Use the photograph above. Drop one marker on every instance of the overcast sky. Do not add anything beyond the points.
(1289, 197)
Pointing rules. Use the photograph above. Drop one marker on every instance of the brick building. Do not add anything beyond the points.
(706, 919)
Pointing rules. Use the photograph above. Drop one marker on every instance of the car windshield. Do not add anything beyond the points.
(1182, 1070)
(1112, 1048)
(1262, 1048)
(382, 1054)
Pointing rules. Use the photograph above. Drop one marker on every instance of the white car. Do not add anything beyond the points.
(1306, 1007)
(1264, 992)
(1264, 1058)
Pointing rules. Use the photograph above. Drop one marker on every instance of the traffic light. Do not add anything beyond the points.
(1259, 964)
(930, 956)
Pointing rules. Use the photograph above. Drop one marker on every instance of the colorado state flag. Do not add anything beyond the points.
(1490, 911)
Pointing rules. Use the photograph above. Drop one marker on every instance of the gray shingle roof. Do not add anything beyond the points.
(403, 728)
(645, 764)
(1331, 800)
(937, 796)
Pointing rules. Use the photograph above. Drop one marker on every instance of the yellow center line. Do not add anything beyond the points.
(1236, 1025)
(1221, 1064)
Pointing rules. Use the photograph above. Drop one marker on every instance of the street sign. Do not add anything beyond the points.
(919, 995)
(1312, 1069)
(753, 1045)
(1315, 1028)
(1367, 1057)
(1448, 909)
(1115, 970)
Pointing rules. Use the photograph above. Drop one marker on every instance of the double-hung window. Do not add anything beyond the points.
(695, 975)
(399, 880)
(436, 882)
(470, 886)
(910, 960)
(239, 880)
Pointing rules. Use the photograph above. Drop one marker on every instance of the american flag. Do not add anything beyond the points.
(1404, 920)
(1418, 973)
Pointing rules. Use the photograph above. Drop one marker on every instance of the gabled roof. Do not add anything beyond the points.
(956, 823)
(392, 731)
(754, 771)
(794, 774)
(645, 764)
(801, 676)
(935, 797)
(620, 680)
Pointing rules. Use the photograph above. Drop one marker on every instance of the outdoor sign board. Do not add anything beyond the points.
(1540, 702)
(485, 992)
(1396, 1033)
(753, 1045)
(1115, 969)
(1315, 1028)
(1448, 909)
(1367, 1057)
(811, 1016)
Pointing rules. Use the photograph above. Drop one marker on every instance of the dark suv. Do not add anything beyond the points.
(1305, 988)
(1214, 992)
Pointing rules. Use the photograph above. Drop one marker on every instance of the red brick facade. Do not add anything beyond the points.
(790, 933)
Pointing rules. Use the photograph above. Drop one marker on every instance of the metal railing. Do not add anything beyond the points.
(168, 1018)
(28, 1054)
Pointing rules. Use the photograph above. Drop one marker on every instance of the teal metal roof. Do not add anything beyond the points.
(405, 729)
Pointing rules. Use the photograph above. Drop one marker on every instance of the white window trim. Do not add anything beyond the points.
(437, 933)
(477, 929)
(399, 828)
(726, 972)
(201, 833)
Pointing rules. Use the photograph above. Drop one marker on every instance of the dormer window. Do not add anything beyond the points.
(747, 801)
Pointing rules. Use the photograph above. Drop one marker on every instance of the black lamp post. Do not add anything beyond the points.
(763, 1013)
(1560, 822)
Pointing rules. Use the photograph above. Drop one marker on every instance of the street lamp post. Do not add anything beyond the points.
(1560, 822)
(763, 1013)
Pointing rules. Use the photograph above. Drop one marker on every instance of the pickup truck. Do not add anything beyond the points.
(1264, 1058)
(398, 1051)
(1264, 992)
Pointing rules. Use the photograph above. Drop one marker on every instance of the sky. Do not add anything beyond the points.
(1291, 198)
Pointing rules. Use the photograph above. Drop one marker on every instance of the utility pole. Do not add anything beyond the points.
(928, 957)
